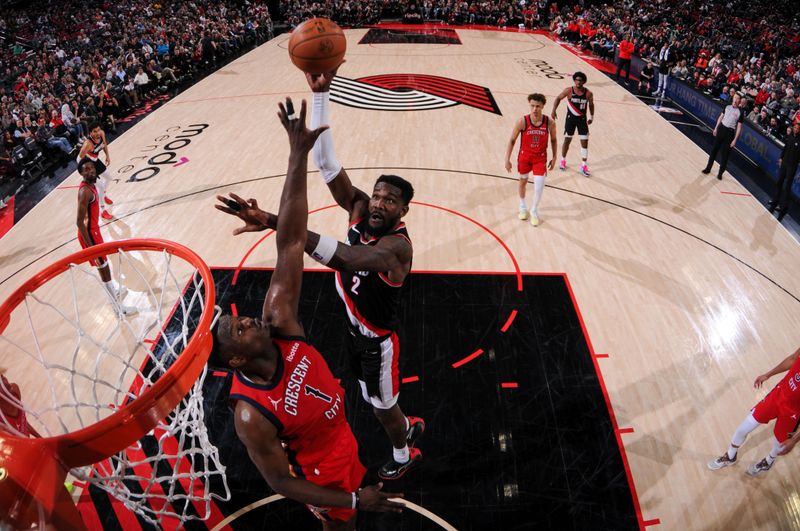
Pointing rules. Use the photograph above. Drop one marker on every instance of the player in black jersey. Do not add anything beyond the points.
(371, 267)
(579, 99)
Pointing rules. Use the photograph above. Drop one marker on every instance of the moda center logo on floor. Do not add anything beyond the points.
(539, 68)
(410, 92)
(163, 151)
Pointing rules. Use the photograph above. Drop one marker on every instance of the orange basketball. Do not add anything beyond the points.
(317, 45)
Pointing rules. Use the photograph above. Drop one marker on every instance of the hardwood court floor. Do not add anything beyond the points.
(689, 289)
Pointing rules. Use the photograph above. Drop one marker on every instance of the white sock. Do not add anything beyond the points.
(100, 185)
(538, 189)
(741, 433)
(522, 206)
(112, 288)
(773, 454)
(401, 454)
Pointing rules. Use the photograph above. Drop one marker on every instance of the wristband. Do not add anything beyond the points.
(325, 249)
(355, 500)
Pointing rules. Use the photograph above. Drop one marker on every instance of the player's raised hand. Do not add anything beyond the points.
(322, 82)
(255, 219)
(373, 499)
(301, 139)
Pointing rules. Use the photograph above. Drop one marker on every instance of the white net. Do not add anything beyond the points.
(73, 355)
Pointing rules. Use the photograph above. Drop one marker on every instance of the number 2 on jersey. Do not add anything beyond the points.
(356, 283)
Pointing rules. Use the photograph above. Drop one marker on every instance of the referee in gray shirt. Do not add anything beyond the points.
(726, 132)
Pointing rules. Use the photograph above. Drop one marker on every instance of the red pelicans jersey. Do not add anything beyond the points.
(534, 139)
(788, 391)
(306, 405)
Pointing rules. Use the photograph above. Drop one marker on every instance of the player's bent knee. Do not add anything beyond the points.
(524, 177)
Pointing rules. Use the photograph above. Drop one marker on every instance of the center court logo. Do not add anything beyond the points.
(410, 92)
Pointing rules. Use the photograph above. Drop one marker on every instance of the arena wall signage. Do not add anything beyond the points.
(762, 150)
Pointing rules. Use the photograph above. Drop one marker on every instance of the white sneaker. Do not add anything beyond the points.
(535, 219)
(756, 469)
(721, 462)
(523, 213)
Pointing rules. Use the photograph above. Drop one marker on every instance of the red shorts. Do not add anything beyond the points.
(344, 473)
(96, 239)
(537, 165)
(771, 407)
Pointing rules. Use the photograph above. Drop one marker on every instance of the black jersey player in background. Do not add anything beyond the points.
(579, 99)
(371, 266)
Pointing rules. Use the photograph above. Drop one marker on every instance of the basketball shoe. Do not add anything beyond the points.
(562, 165)
(105, 214)
(756, 469)
(108, 200)
(585, 169)
(394, 470)
(721, 462)
(535, 219)
(523, 213)
(416, 427)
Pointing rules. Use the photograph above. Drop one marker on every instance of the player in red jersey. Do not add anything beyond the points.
(781, 404)
(12, 415)
(535, 129)
(89, 232)
(371, 267)
(95, 143)
(283, 390)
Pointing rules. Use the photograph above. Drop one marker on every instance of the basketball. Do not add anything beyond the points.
(317, 45)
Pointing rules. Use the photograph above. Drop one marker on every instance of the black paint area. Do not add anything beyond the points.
(410, 36)
(542, 455)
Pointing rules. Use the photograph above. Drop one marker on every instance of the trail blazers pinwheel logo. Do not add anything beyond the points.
(410, 92)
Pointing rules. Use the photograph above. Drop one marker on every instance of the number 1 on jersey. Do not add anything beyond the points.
(316, 393)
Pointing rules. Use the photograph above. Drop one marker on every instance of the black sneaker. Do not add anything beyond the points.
(706, 171)
(416, 426)
(394, 470)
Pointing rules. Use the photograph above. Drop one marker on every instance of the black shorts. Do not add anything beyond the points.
(374, 362)
(99, 167)
(573, 123)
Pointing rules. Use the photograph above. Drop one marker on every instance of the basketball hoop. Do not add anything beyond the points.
(104, 380)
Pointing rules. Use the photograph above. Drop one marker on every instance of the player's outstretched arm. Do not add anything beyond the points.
(388, 254)
(260, 437)
(283, 295)
(347, 196)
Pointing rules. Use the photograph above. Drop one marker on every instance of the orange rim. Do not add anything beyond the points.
(132, 421)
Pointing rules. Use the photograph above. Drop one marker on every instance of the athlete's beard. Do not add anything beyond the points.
(382, 230)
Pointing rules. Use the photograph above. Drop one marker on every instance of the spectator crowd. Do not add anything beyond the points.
(749, 47)
(67, 63)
